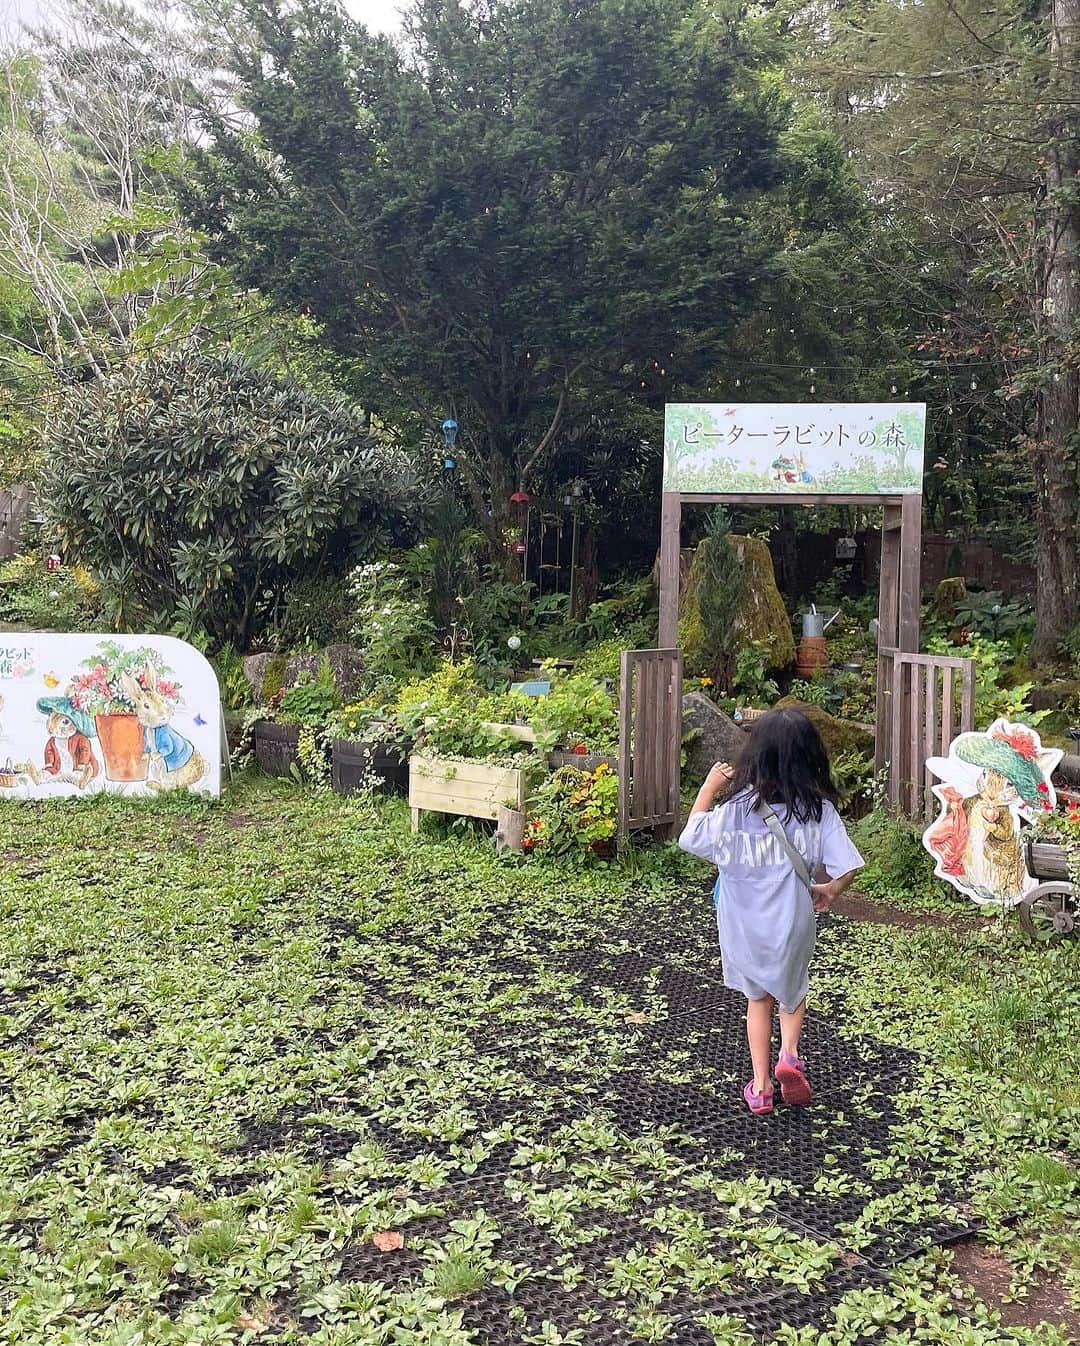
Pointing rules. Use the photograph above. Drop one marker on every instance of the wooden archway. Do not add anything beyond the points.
(898, 602)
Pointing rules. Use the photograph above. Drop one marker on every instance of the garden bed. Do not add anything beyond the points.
(464, 788)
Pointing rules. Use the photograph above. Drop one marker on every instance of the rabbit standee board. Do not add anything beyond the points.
(80, 714)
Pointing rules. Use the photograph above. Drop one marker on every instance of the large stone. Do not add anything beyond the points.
(837, 735)
(717, 738)
(268, 673)
(762, 618)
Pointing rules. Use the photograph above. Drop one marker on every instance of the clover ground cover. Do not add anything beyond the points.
(277, 1071)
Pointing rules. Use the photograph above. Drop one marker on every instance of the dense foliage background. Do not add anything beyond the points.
(547, 219)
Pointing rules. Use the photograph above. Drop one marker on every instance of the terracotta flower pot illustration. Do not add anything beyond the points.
(122, 749)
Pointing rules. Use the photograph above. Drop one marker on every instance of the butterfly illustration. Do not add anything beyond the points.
(199, 720)
(50, 680)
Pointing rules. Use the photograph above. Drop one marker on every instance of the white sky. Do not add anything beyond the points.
(379, 15)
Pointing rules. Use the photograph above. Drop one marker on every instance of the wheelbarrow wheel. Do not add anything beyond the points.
(1050, 913)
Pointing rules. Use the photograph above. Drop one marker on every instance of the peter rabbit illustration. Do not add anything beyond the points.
(174, 762)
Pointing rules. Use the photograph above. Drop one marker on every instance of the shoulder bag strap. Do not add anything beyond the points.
(773, 823)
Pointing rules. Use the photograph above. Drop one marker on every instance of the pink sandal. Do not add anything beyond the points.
(759, 1104)
(794, 1086)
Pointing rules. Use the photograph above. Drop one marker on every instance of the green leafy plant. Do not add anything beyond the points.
(812, 691)
(750, 680)
(189, 476)
(573, 812)
(577, 710)
(392, 623)
(68, 599)
(898, 868)
(988, 614)
(719, 594)
(1062, 826)
(312, 700)
(236, 693)
(994, 696)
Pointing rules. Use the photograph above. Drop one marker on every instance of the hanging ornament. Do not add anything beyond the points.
(813, 388)
(893, 390)
(738, 383)
(974, 385)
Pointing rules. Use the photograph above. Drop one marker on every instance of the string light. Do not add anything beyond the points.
(974, 385)
(813, 388)
(893, 390)
(738, 383)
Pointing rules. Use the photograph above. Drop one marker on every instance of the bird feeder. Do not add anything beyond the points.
(52, 563)
(846, 548)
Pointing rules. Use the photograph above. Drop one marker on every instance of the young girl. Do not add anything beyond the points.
(778, 822)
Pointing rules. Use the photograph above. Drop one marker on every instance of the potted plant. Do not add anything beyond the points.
(576, 723)
(100, 694)
(369, 750)
(309, 704)
(1052, 851)
(574, 813)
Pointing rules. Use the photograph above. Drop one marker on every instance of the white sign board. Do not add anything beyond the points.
(755, 448)
(81, 714)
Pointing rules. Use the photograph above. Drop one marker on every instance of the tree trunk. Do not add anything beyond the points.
(1059, 399)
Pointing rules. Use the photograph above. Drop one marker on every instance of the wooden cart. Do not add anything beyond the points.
(1050, 911)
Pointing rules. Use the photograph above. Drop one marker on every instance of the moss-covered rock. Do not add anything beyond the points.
(837, 735)
(948, 594)
(762, 617)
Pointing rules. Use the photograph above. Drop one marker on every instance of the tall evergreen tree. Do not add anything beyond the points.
(528, 206)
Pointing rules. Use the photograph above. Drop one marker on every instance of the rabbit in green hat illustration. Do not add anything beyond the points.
(69, 752)
(991, 781)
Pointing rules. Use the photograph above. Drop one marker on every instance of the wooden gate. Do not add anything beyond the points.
(924, 701)
(650, 740)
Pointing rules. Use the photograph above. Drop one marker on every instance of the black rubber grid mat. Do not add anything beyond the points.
(566, 1042)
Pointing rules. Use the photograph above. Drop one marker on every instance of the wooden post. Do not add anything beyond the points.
(910, 572)
(626, 761)
(888, 632)
(670, 536)
(510, 831)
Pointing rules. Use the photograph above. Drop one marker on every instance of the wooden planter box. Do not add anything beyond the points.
(468, 789)
(1047, 860)
(353, 764)
(275, 746)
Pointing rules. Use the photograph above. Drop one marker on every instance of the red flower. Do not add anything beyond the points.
(1043, 788)
(1021, 740)
(1048, 808)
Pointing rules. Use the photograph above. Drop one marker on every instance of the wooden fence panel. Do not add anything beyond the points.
(922, 715)
(650, 739)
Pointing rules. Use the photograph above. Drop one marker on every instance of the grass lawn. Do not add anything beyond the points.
(275, 1070)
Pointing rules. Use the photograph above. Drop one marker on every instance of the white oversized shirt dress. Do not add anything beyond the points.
(764, 913)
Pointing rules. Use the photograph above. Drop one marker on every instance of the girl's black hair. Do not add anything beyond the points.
(785, 763)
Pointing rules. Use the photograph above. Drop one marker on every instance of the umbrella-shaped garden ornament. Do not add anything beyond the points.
(990, 783)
